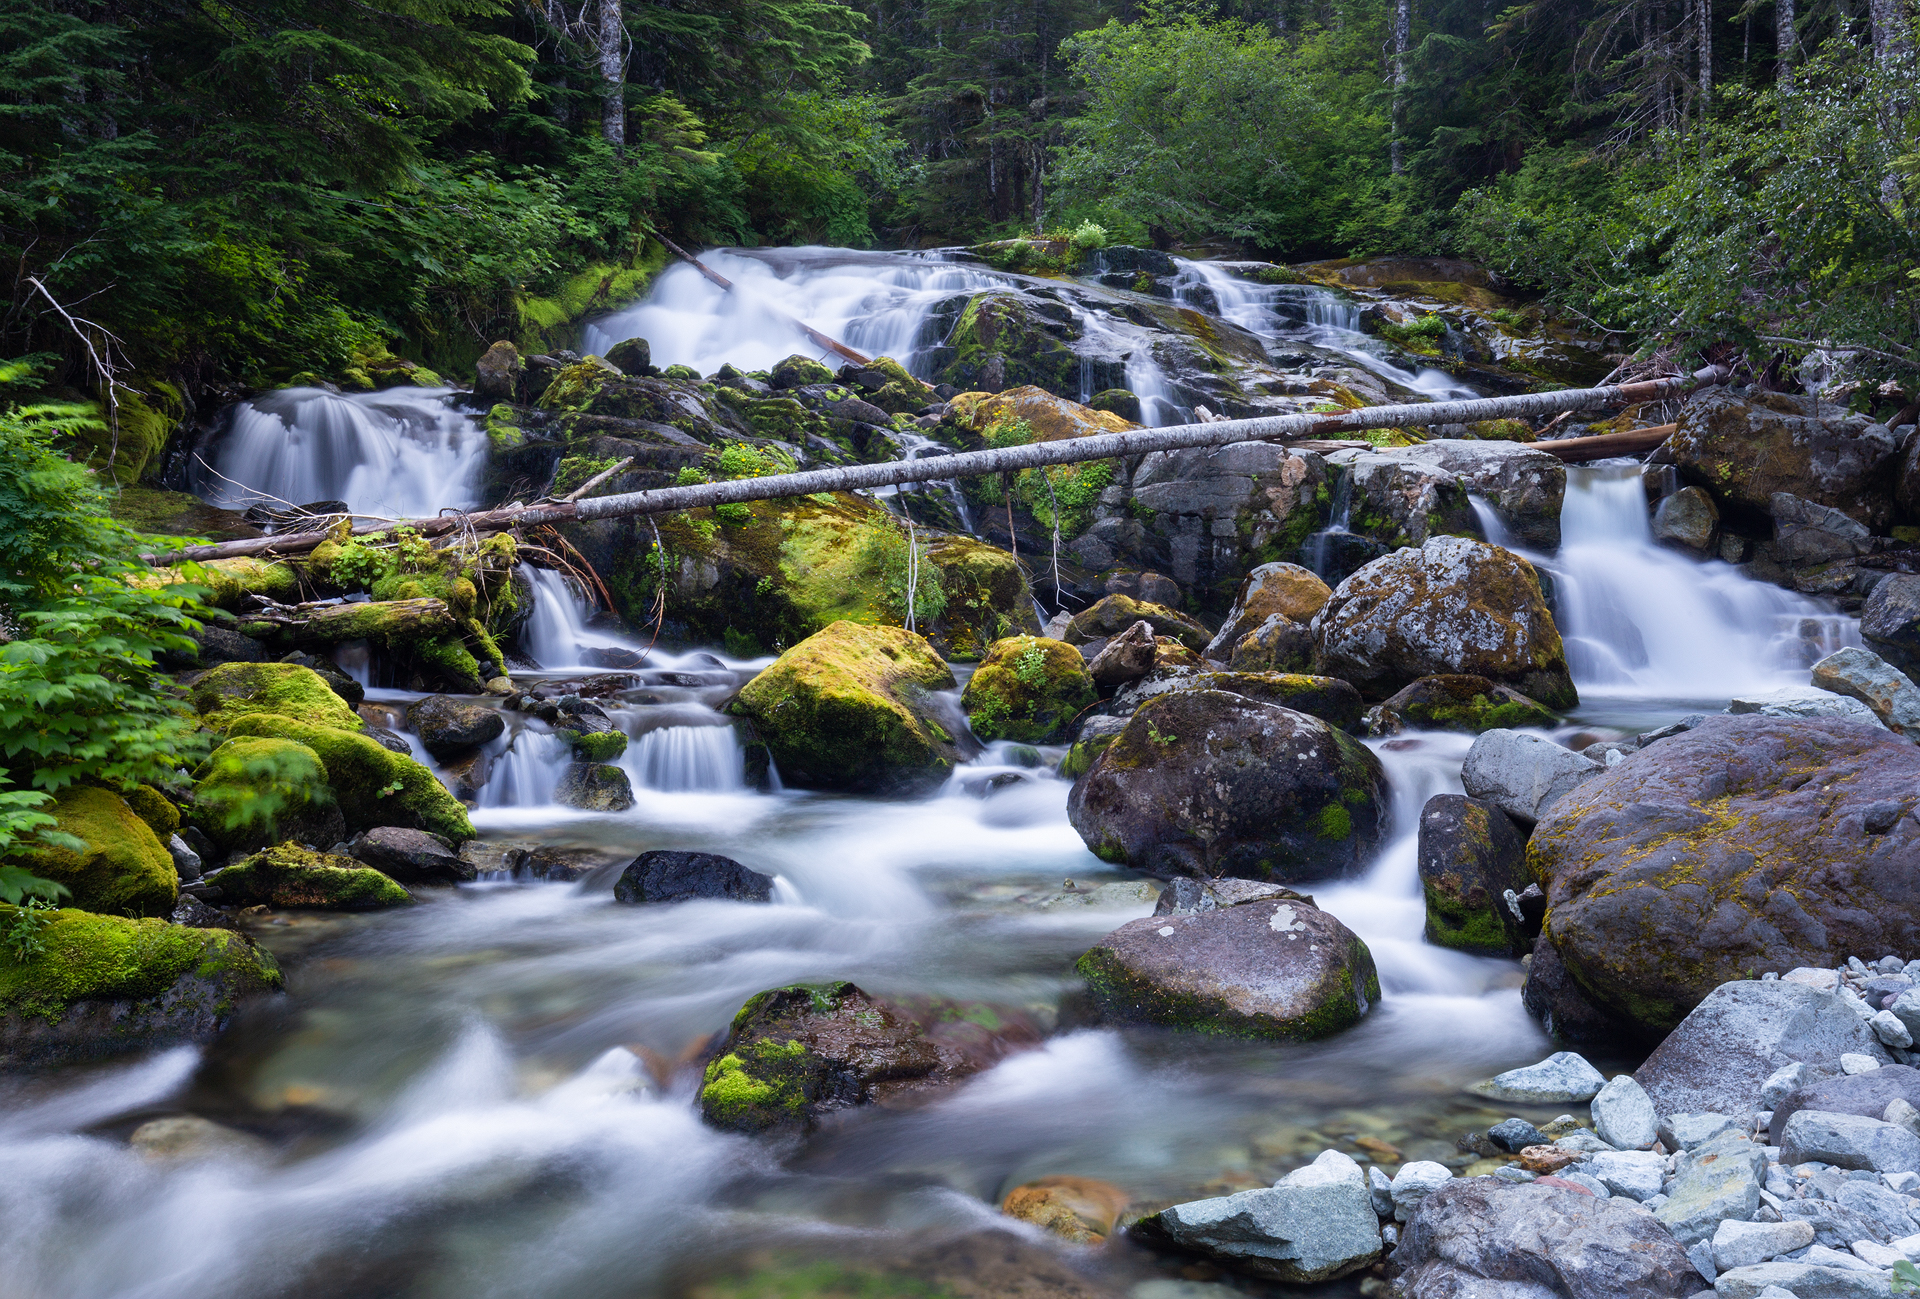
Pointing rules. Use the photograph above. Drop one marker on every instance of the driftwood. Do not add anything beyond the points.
(839, 349)
(329, 623)
(1632, 442)
(1102, 446)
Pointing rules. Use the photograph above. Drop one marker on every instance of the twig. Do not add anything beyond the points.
(594, 482)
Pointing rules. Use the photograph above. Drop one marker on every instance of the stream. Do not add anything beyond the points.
(489, 1094)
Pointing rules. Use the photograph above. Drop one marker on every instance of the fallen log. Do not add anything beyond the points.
(1033, 455)
(839, 349)
(1600, 447)
(386, 621)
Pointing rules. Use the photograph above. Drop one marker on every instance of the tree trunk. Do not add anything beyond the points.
(390, 621)
(1783, 44)
(1402, 33)
(1892, 51)
(613, 75)
(1704, 16)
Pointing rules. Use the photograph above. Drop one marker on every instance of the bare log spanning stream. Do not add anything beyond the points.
(1033, 455)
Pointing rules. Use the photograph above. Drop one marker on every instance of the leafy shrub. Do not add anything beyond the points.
(1089, 235)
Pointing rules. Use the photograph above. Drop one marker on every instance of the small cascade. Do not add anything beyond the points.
(401, 453)
(556, 635)
(527, 772)
(687, 760)
(912, 447)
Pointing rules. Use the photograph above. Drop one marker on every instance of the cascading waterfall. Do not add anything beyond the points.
(401, 453)
(557, 636)
(696, 759)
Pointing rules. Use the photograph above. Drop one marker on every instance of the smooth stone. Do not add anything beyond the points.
(1588, 1181)
(1636, 1174)
(1718, 1181)
(1827, 1256)
(1523, 774)
(1742, 1244)
(1685, 1131)
(1876, 1255)
(1624, 1116)
(1891, 1029)
(1561, 1077)
(1906, 1008)
(188, 1136)
(1414, 1183)
(1865, 676)
(1582, 1142)
(1803, 701)
(1515, 1135)
(410, 856)
(1849, 1141)
(1858, 1062)
(1314, 1224)
(1868, 1095)
(1380, 1191)
(1802, 1280)
(1813, 976)
(667, 876)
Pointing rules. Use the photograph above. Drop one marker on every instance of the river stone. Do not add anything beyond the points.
(1276, 645)
(1276, 969)
(1126, 657)
(1721, 1055)
(1398, 501)
(1834, 1226)
(1686, 1131)
(1719, 1180)
(1871, 1200)
(1414, 1183)
(1802, 1281)
(497, 373)
(1330, 699)
(1562, 1077)
(1551, 996)
(1636, 1174)
(1314, 1224)
(1802, 701)
(1184, 896)
(1890, 620)
(1863, 675)
(1480, 1238)
(1524, 485)
(1745, 844)
(1470, 856)
(667, 876)
(1624, 1116)
(410, 856)
(1524, 774)
(447, 726)
(1113, 614)
(1687, 519)
(1455, 702)
(1744, 447)
(1453, 606)
(1282, 590)
(594, 787)
(1848, 1141)
(1742, 1244)
(1079, 1209)
(1221, 510)
(1866, 1094)
(1204, 782)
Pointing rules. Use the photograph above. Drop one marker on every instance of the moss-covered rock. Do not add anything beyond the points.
(102, 985)
(371, 785)
(155, 808)
(1050, 417)
(1005, 339)
(1471, 854)
(230, 581)
(850, 708)
(1028, 688)
(233, 690)
(1330, 699)
(124, 870)
(287, 875)
(1115, 613)
(1280, 589)
(255, 790)
(1277, 645)
(797, 371)
(601, 746)
(1454, 702)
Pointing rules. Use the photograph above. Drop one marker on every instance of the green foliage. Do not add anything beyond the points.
(1089, 235)
(898, 564)
(744, 460)
(1906, 1278)
(1031, 667)
(20, 933)
(576, 470)
(733, 516)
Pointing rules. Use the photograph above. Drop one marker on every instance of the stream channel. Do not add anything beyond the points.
(486, 1095)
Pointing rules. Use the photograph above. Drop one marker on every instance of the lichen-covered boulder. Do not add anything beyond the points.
(1524, 485)
(1452, 606)
(258, 789)
(100, 985)
(1224, 511)
(1287, 590)
(1456, 702)
(371, 785)
(1278, 644)
(1204, 782)
(1746, 844)
(851, 708)
(1271, 969)
(1028, 688)
(594, 787)
(1399, 502)
(1113, 614)
(449, 726)
(1470, 854)
(1330, 699)
(1744, 447)
(232, 690)
(798, 371)
(1051, 418)
(124, 870)
(287, 875)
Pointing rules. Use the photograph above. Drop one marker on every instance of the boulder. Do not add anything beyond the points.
(371, 784)
(631, 356)
(1078, 1209)
(1090, 740)
(1624, 1115)
(1482, 1238)
(1454, 605)
(257, 790)
(1277, 645)
(667, 876)
(1720, 1056)
(1272, 590)
(1273, 969)
(102, 985)
(496, 375)
(798, 371)
(1849, 1141)
(122, 868)
(1890, 621)
(851, 708)
(1184, 896)
(1811, 536)
(1222, 511)
(1741, 845)
(1414, 1182)
(594, 787)
(1028, 689)
(449, 726)
(1397, 501)
(1717, 1181)
(226, 693)
(1687, 520)
(1470, 856)
(1865, 676)
(1801, 1281)
(1330, 699)
(1126, 657)
(1524, 774)
(1631, 1174)
(1551, 996)
(1203, 782)
(1113, 614)
(1802, 701)
(1867, 1094)
(410, 856)
(288, 875)
(1744, 447)
(1314, 1224)
(1453, 702)
(1561, 1077)
(1524, 485)
(1742, 1244)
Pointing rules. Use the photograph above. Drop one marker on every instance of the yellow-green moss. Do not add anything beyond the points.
(233, 690)
(1028, 688)
(87, 957)
(372, 785)
(125, 869)
(288, 875)
(253, 789)
(153, 807)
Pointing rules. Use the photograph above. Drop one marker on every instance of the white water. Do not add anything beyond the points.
(556, 635)
(402, 453)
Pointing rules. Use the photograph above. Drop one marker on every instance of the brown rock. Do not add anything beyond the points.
(1126, 657)
(497, 373)
(1276, 645)
(1547, 1159)
(1113, 614)
(1744, 448)
(1080, 1209)
(1287, 590)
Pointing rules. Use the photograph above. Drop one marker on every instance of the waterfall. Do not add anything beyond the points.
(526, 773)
(401, 453)
(687, 760)
(557, 636)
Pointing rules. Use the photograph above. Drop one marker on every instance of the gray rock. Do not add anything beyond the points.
(1685, 1131)
(1866, 1094)
(1890, 620)
(448, 726)
(1828, 1256)
(1858, 1062)
(1865, 676)
(410, 856)
(1186, 896)
(1126, 657)
(594, 787)
(1718, 1181)
(1515, 1135)
(1849, 1141)
(1742, 1244)
(1314, 1224)
(1561, 1077)
(1414, 1183)
(186, 862)
(1523, 774)
(1891, 1029)
(1781, 1083)
(1636, 1174)
(1700, 1254)
(1874, 1201)
(1380, 1191)
(1802, 701)
(1802, 1280)
(1687, 519)
(1906, 1008)
(1624, 1116)
(1525, 486)
(1834, 1225)
(1721, 1055)
(1587, 1180)
(1582, 1141)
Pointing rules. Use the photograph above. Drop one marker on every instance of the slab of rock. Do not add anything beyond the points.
(1887, 691)
(1872, 1200)
(1688, 520)
(1834, 1225)
(1314, 1224)
(448, 726)
(1802, 701)
(1551, 996)
(1126, 657)
(1525, 486)
(1470, 856)
(1890, 621)
(1288, 591)
(1454, 702)
(1802, 1281)
(1744, 844)
(1849, 1141)
(1273, 969)
(410, 856)
(1720, 1180)
(1636, 1174)
(1562, 1077)
(1184, 896)
(1524, 774)
(1867, 1095)
(1481, 1238)
(1685, 1131)
(668, 876)
(1624, 1115)
(1722, 1054)
(1742, 1244)
(1744, 447)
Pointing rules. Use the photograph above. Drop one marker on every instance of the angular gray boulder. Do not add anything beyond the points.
(1802, 1281)
(410, 856)
(1863, 675)
(1866, 1094)
(1890, 621)
(1524, 485)
(1849, 1141)
(1315, 1224)
(1718, 1181)
(1524, 774)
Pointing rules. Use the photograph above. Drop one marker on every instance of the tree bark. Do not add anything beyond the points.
(1892, 50)
(613, 73)
(1103, 446)
(1783, 44)
(395, 621)
(1703, 11)
(1402, 33)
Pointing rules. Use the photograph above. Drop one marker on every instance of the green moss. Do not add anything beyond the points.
(503, 434)
(758, 1091)
(87, 957)
(288, 875)
(230, 580)
(125, 870)
(234, 690)
(1335, 822)
(252, 790)
(1452, 923)
(603, 746)
(1079, 761)
(372, 785)
(153, 807)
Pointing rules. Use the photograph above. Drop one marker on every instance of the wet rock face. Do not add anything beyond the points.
(1398, 501)
(1221, 512)
(1205, 783)
(411, 856)
(1453, 606)
(594, 787)
(1744, 448)
(1454, 702)
(1552, 997)
(666, 876)
(448, 726)
(1525, 486)
(1745, 844)
(1890, 621)
(1270, 969)
(1470, 855)
(497, 373)
(1687, 520)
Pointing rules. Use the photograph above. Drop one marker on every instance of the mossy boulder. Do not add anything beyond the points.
(1452, 606)
(124, 870)
(1289, 591)
(1470, 855)
(599, 746)
(371, 785)
(1277, 645)
(1330, 699)
(1280, 969)
(594, 787)
(1744, 447)
(1006, 339)
(851, 708)
(287, 875)
(1455, 702)
(798, 371)
(101, 985)
(1028, 688)
(257, 789)
(233, 690)
(155, 808)
(1208, 783)
(1051, 417)
(1113, 614)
